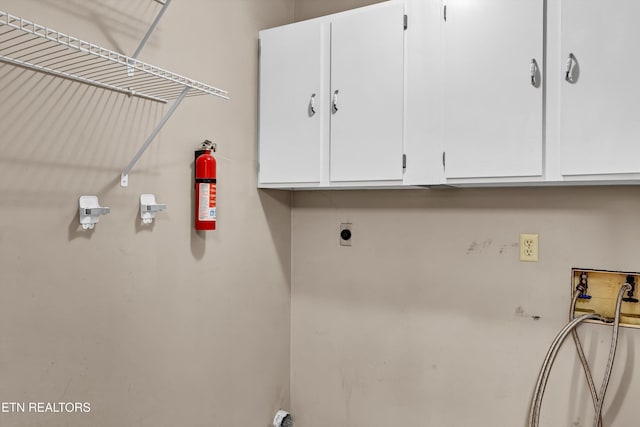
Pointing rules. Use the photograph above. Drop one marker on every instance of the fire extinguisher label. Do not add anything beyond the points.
(207, 202)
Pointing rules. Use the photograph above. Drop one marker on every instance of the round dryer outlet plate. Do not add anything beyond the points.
(282, 419)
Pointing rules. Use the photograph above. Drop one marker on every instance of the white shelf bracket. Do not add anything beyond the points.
(149, 207)
(145, 39)
(89, 211)
(153, 26)
(124, 177)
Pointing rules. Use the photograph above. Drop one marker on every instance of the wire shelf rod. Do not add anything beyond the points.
(39, 32)
(85, 66)
(163, 94)
(21, 39)
(131, 85)
(62, 62)
(90, 82)
(22, 49)
(6, 32)
(167, 93)
(79, 68)
(113, 72)
(30, 58)
(32, 53)
(145, 83)
(141, 83)
(162, 89)
(156, 91)
(172, 95)
(92, 75)
(115, 77)
(13, 38)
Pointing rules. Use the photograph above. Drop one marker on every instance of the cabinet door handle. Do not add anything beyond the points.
(533, 70)
(334, 103)
(312, 105)
(568, 72)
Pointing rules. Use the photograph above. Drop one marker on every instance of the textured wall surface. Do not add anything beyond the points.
(428, 318)
(153, 325)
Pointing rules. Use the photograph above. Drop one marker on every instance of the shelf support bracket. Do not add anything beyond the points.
(145, 39)
(124, 177)
(153, 26)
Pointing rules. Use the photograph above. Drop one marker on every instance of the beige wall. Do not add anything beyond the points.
(306, 9)
(427, 319)
(154, 326)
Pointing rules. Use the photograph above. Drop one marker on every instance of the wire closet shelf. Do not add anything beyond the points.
(29, 45)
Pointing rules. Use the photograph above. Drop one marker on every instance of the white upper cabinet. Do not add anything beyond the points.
(356, 100)
(423, 93)
(367, 66)
(332, 100)
(493, 93)
(292, 100)
(600, 99)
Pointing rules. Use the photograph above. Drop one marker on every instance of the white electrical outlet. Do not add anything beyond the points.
(529, 247)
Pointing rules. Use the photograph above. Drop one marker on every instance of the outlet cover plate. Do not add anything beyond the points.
(529, 248)
(345, 226)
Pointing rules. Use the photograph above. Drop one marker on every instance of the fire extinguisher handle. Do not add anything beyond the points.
(209, 145)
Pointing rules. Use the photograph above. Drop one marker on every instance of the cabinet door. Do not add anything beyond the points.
(600, 107)
(492, 106)
(367, 94)
(291, 99)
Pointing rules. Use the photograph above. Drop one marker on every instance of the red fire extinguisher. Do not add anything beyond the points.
(205, 182)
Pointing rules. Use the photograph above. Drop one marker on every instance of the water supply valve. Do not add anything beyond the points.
(583, 286)
(631, 280)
